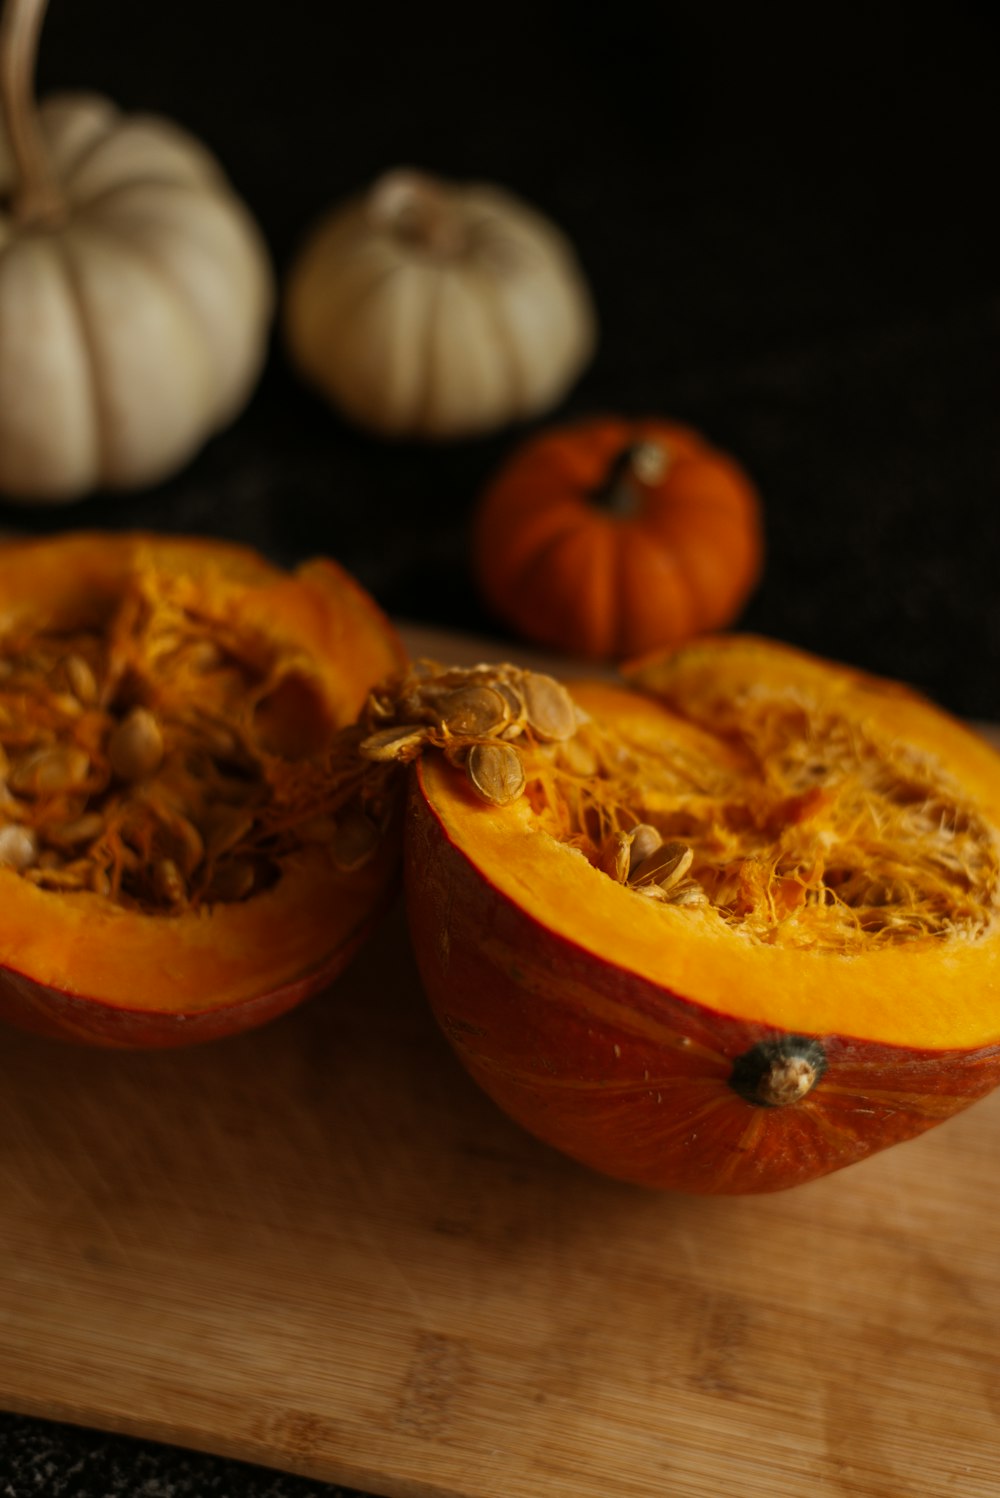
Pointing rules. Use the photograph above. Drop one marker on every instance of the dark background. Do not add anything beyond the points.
(787, 220)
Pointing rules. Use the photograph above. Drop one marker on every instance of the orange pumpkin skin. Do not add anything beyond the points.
(634, 1062)
(79, 967)
(90, 1020)
(612, 538)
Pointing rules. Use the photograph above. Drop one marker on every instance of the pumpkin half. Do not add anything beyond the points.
(183, 850)
(741, 930)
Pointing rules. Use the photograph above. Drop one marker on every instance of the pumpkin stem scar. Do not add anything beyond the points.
(637, 466)
(37, 198)
(777, 1073)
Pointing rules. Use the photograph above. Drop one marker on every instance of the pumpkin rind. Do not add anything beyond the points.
(79, 965)
(629, 1037)
(563, 567)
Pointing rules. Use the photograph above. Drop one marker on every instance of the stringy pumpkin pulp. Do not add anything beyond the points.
(168, 757)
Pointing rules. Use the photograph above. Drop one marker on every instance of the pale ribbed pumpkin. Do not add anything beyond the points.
(434, 310)
(135, 289)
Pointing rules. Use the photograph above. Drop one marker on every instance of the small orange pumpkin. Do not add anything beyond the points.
(742, 929)
(612, 538)
(182, 851)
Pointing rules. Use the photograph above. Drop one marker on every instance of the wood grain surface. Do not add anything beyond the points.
(319, 1247)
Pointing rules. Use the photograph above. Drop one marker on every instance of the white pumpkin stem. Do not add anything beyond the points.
(36, 196)
(419, 209)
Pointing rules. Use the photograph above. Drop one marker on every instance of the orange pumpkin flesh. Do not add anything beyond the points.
(193, 628)
(830, 984)
(612, 537)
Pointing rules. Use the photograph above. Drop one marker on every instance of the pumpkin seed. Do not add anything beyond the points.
(474, 712)
(66, 704)
(614, 859)
(135, 747)
(516, 715)
(18, 847)
(82, 829)
(688, 893)
(82, 681)
(168, 883)
(496, 772)
(203, 656)
(50, 771)
(665, 866)
(550, 710)
(645, 840)
(399, 744)
(189, 843)
(69, 878)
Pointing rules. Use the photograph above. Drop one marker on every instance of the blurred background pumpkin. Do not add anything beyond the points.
(135, 289)
(798, 262)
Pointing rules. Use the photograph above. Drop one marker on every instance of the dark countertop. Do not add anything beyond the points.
(790, 240)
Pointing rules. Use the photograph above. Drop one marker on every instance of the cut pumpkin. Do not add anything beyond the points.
(801, 969)
(183, 850)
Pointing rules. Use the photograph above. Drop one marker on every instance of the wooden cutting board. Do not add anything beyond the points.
(319, 1247)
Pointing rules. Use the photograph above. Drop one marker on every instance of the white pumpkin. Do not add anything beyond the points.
(136, 293)
(427, 309)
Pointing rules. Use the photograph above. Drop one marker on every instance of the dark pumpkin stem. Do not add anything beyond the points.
(36, 197)
(777, 1073)
(636, 468)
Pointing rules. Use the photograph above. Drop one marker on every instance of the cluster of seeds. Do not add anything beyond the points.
(149, 757)
(660, 870)
(165, 759)
(787, 822)
(155, 759)
(475, 717)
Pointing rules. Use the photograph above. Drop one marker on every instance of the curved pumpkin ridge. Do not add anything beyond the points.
(46, 307)
(508, 334)
(466, 386)
(688, 516)
(654, 592)
(160, 276)
(200, 245)
(156, 418)
(142, 147)
(74, 125)
(544, 611)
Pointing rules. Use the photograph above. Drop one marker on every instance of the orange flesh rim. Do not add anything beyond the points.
(934, 993)
(85, 946)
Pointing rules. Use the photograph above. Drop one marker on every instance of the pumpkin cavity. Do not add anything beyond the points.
(788, 822)
(164, 756)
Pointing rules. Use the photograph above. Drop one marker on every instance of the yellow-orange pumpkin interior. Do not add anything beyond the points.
(844, 864)
(214, 642)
